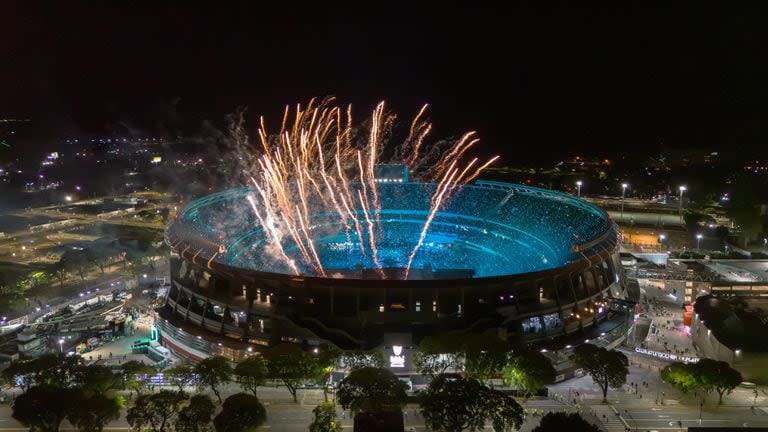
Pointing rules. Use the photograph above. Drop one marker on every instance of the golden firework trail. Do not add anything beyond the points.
(319, 170)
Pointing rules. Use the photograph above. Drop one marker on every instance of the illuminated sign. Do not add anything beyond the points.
(398, 359)
(667, 356)
(157, 159)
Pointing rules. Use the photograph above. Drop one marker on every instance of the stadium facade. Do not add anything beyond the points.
(526, 262)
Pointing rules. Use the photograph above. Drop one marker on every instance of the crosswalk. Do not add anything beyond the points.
(609, 418)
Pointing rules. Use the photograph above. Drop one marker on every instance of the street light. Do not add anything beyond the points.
(61, 345)
(698, 241)
(624, 187)
(682, 189)
(578, 188)
(662, 237)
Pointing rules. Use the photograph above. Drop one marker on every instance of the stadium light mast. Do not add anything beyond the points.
(624, 187)
(682, 189)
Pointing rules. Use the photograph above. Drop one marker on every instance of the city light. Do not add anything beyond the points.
(680, 199)
(624, 187)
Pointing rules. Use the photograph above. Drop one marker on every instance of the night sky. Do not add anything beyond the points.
(533, 82)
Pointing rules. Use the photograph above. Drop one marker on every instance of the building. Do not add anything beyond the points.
(526, 262)
(733, 329)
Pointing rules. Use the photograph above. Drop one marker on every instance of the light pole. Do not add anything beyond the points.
(61, 345)
(662, 237)
(578, 188)
(624, 187)
(701, 406)
(682, 189)
(698, 241)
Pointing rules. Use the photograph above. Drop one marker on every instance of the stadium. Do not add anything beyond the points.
(528, 262)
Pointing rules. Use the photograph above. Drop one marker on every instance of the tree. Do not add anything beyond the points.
(558, 421)
(196, 417)
(213, 372)
(528, 371)
(56, 369)
(157, 411)
(324, 419)
(290, 365)
(682, 376)
(607, 368)
(76, 261)
(742, 208)
(360, 359)
(438, 354)
(371, 389)
(251, 373)
(240, 412)
(181, 376)
(135, 375)
(718, 376)
(459, 404)
(43, 407)
(90, 413)
(485, 356)
(706, 375)
(326, 358)
(95, 380)
(60, 270)
(99, 255)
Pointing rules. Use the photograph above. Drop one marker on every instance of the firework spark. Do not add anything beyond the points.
(320, 164)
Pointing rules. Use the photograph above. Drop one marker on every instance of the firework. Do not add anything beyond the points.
(321, 163)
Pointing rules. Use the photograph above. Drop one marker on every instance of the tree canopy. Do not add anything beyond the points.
(157, 411)
(58, 387)
(360, 359)
(240, 412)
(43, 407)
(290, 365)
(461, 404)
(607, 368)
(135, 375)
(181, 376)
(197, 415)
(558, 422)
(91, 412)
(485, 355)
(371, 389)
(213, 372)
(438, 354)
(251, 373)
(528, 371)
(705, 375)
(324, 419)
(718, 376)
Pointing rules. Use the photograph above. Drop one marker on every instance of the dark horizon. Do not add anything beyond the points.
(534, 84)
